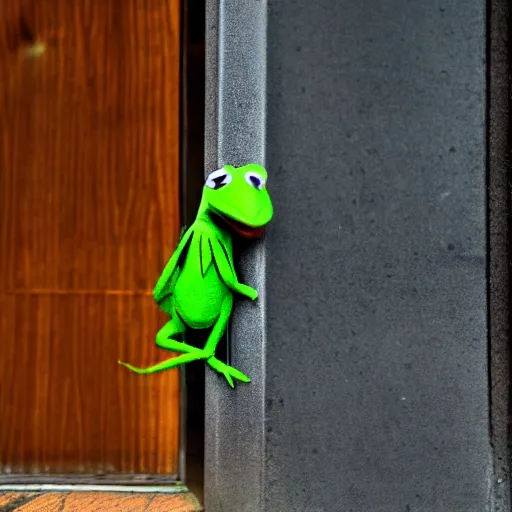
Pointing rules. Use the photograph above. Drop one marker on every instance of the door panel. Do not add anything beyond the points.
(89, 213)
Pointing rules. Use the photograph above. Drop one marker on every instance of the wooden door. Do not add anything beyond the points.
(89, 213)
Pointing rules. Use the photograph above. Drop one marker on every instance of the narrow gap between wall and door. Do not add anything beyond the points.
(192, 177)
(498, 161)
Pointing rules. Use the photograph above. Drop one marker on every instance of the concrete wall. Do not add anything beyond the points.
(370, 346)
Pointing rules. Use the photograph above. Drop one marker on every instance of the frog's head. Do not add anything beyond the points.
(240, 198)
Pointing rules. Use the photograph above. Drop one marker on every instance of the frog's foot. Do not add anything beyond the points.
(228, 371)
(195, 355)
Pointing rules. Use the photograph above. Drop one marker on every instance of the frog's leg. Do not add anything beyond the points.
(171, 332)
(167, 338)
(213, 339)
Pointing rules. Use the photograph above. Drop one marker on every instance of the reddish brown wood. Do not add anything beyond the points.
(89, 93)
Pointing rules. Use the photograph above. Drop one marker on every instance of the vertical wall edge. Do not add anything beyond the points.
(235, 133)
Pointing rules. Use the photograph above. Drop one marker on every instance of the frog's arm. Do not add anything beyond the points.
(165, 284)
(224, 267)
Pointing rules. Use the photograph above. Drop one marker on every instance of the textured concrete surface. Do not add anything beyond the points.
(235, 134)
(376, 361)
(377, 335)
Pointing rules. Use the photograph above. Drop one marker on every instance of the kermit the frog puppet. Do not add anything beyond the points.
(197, 285)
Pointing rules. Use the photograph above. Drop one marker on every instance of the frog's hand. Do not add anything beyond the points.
(164, 287)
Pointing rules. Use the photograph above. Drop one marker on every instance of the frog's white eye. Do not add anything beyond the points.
(218, 179)
(255, 180)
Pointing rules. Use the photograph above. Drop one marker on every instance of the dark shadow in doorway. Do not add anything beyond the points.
(192, 178)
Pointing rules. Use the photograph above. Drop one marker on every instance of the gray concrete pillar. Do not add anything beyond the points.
(369, 349)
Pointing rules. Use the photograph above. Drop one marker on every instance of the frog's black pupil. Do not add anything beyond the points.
(255, 181)
(219, 181)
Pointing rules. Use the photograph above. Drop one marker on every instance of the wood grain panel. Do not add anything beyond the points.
(90, 153)
(66, 405)
(89, 211)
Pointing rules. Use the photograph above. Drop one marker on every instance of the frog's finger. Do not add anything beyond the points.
(227, 370)
(229, 379)
(238, 374)
(222, 368)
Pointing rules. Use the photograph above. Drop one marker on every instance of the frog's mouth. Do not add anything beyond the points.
(243, 229)
(239, 227)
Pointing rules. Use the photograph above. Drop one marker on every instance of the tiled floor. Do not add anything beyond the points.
(97, 502)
